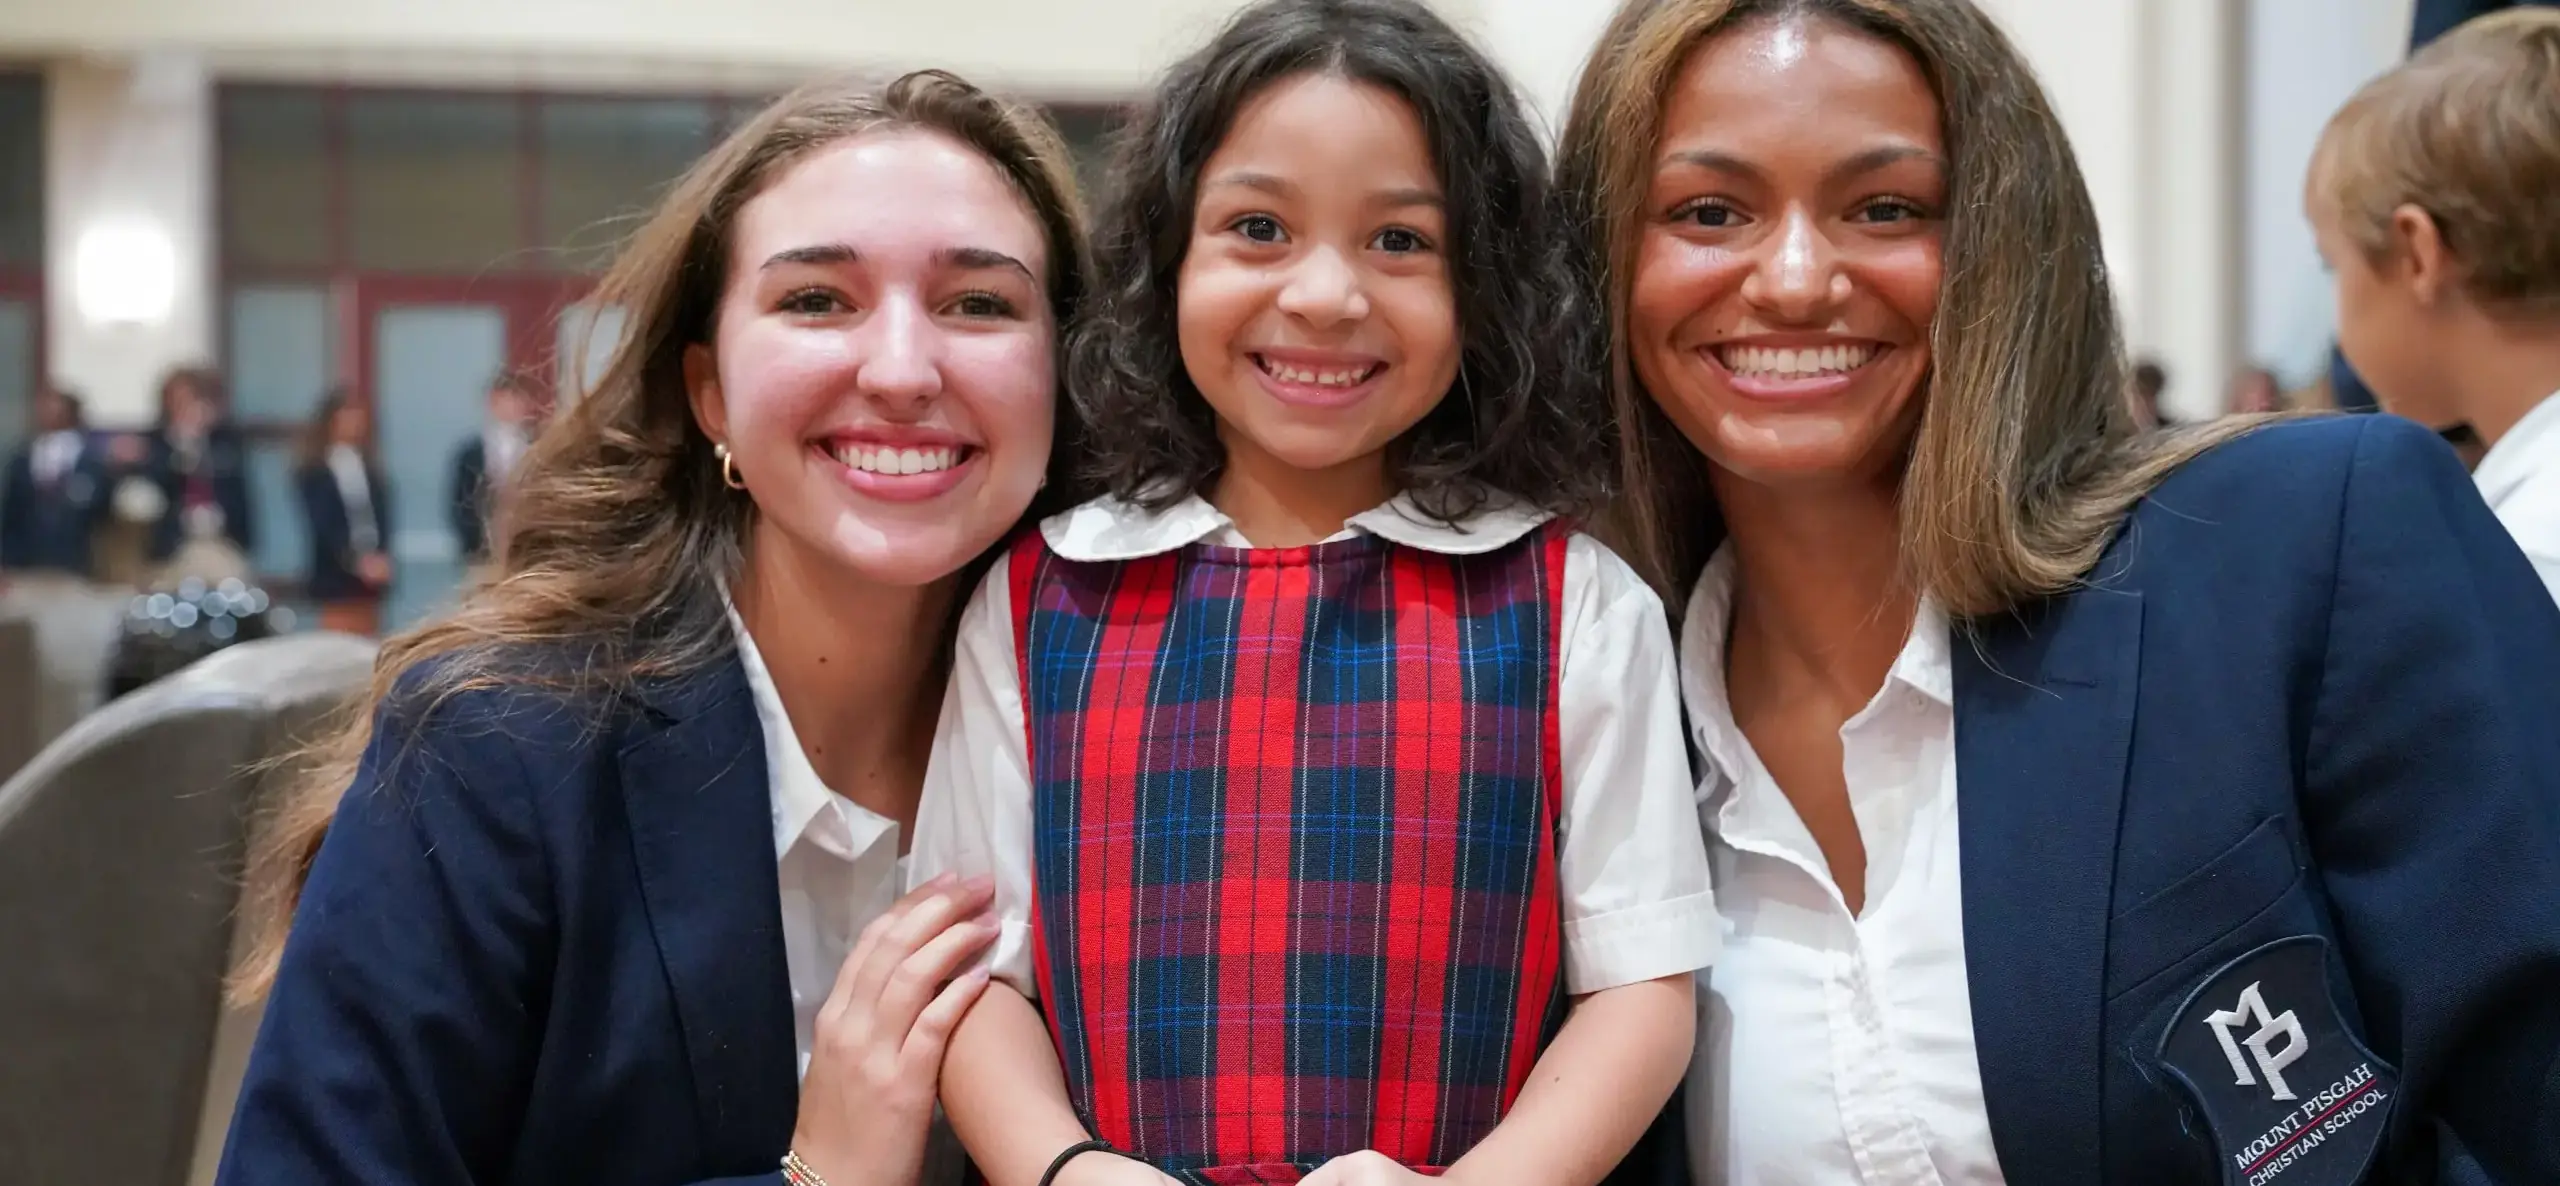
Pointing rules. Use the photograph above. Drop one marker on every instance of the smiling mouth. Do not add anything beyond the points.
(889, 462)
(1809, 362)
(1319, 376)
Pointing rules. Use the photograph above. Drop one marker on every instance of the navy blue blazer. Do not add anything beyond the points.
(333, 549)
(50, 526)
(2313, 689)
(467, 499)
(2431, 19)
(224, 462)
(539, 946)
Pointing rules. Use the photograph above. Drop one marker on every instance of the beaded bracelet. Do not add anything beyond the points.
(797, 1172)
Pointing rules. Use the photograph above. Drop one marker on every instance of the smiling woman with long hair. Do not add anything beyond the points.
(609, 895)
(2087, 804)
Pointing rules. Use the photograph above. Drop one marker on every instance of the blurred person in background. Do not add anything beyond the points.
(599, 882)
(2150, 385)
(54, 492)
(189, 480)
(2429, 20)
(483, 464)
(349, 513)
(2434, 196)
(2254, 390)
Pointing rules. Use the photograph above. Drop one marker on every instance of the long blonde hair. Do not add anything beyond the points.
(618, 527)
(2028, 454)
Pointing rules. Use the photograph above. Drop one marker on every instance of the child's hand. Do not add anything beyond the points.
(868, 1096)
(1365, 1168)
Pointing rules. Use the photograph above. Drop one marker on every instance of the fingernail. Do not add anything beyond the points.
(981, 884)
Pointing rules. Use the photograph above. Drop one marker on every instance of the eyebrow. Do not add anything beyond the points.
(1865, 162)
(1393, 198)
(967, 259)
(978, 259)
(820, 255)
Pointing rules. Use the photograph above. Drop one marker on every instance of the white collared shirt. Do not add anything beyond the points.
(2520, 477)
(1832, 1048)
(54, 455)
(1631, 867)
(355, 492)
(839, 860)
(501, 446)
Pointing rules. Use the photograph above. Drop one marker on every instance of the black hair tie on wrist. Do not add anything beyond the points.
(1074, 1151)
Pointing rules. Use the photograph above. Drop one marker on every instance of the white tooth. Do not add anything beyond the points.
(937, 460)
(909, 463)
(1831, 356)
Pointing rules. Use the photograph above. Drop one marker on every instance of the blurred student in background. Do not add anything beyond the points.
(53, 492)
(349, 514)
(2435, 198)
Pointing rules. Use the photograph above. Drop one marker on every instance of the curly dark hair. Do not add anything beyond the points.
(1517, 421)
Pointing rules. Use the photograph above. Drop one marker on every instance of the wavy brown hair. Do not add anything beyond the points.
(2027, 455)
(619, 527)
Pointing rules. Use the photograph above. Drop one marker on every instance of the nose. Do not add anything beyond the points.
(1797, 277)
(1324, 289)
(900, 355)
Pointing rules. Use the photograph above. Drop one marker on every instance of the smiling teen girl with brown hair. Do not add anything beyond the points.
(2048, 760)
(609, 895)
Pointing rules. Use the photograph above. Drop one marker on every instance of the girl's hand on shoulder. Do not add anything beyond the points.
(876, 1058)
(1365, 1168)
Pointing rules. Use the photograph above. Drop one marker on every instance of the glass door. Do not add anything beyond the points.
(429, 367)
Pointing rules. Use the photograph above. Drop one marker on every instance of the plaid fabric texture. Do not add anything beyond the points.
(1295, 819)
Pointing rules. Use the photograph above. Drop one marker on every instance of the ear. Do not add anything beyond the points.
(2420, 257)
(702, 389)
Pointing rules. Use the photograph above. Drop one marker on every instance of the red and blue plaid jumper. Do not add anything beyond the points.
(1295, 818)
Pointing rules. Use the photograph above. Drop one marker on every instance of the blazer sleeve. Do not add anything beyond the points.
(2432, 805)
(323, 514)
(399, 1040)
(16, 527)
(465, 506)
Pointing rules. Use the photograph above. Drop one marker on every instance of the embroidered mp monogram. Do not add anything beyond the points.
(2271, 1059)
(2290, 1095)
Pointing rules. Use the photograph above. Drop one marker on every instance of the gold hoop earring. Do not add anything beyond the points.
(728, 467)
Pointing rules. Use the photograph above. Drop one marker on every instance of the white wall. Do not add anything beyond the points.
(2305, 58)
(128, 147)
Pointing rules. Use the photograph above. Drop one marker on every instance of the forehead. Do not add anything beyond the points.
(899, 194)
(1330, 127)
(1800, 81)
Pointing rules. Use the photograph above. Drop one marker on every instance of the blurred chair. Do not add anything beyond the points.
(20, 684)
(63, 675)
(120, 852)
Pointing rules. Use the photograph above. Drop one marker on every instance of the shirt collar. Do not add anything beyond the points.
(2519, 455)
(801, 802)
(1108, 529)
(1926, 665)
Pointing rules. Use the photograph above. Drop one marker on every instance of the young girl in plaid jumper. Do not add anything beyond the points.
(1332, 789)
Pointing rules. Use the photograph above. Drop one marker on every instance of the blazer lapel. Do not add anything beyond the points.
(694, 782)
(2044, 716)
